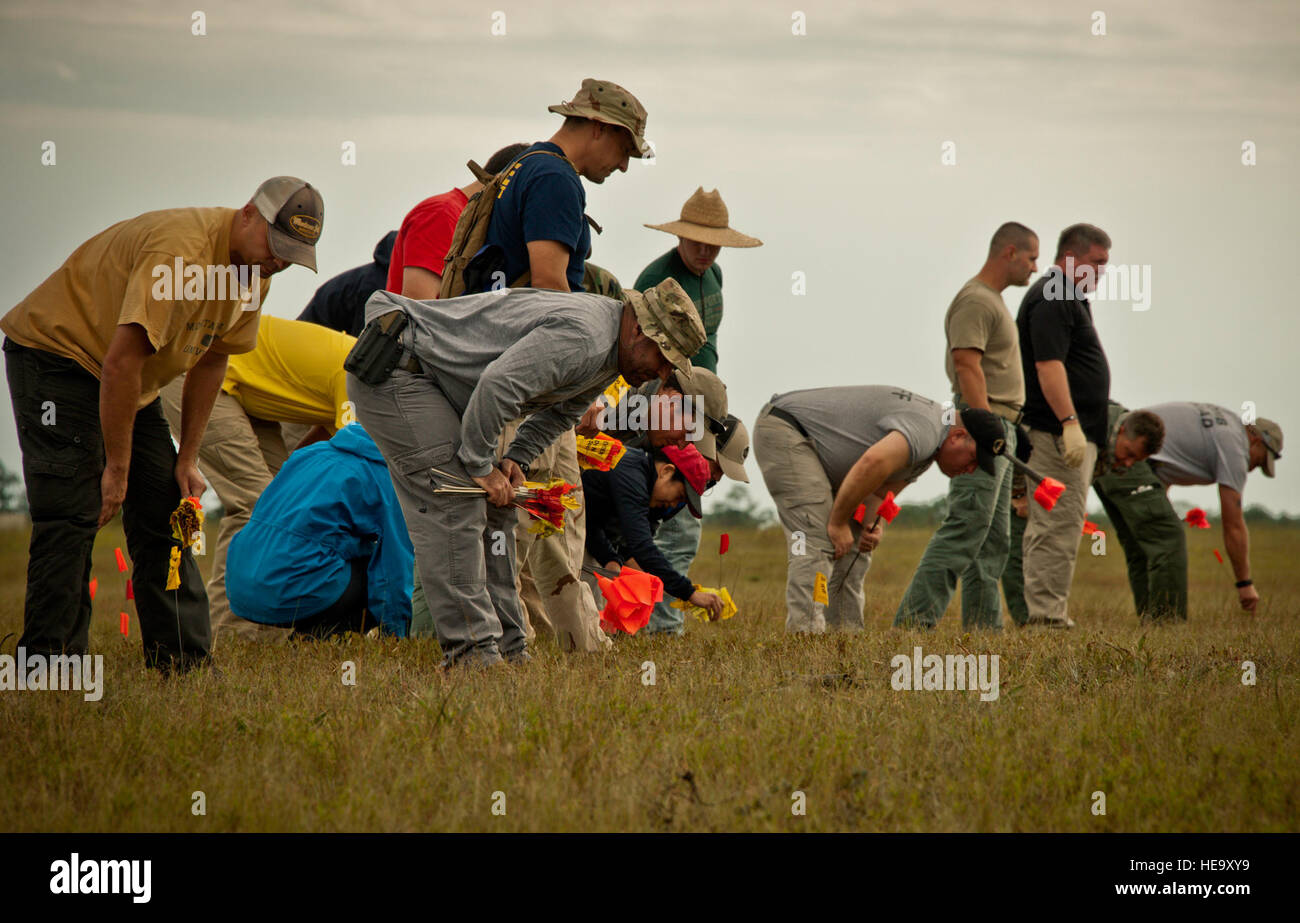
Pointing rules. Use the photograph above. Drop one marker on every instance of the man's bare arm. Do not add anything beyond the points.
(119, 396)
(202, 383)
(1236, 541)
(420, 283)
(970, 377)
(1056, 387)
(548, 262)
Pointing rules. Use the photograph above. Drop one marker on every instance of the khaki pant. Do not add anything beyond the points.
(239, 455)
(798, 484)
(554, 564)
(1051, 542)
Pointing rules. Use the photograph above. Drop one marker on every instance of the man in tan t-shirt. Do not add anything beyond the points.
(982, 360)
(146, 300)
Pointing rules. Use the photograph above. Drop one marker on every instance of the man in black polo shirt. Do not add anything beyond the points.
(1067, 386)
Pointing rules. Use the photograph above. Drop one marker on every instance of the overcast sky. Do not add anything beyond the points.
(826, 145)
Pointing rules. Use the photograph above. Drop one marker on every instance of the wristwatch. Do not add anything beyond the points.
(1245, 583)
(1066, 420)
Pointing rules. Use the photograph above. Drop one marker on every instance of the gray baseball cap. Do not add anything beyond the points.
(295, 216)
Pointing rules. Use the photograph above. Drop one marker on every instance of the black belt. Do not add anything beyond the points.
(789, 418)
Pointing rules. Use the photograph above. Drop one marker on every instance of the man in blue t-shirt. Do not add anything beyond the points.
(538, 221)
(539, 226)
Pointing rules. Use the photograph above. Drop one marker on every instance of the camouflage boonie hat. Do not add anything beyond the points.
(668, 316)
(609, 103)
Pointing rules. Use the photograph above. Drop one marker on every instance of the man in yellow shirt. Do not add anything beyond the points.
(294, 375)
(86, 354)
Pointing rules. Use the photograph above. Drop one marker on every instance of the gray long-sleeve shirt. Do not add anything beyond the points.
(512, 353)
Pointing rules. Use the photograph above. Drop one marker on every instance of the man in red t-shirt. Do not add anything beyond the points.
(420, 250)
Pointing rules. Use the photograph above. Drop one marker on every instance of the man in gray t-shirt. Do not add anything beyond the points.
(826, 450)
(1208, 444)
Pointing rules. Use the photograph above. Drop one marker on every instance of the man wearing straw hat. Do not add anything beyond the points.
(458, 372)
(702, 231)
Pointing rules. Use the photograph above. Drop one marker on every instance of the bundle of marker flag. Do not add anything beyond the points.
(546, 503)
(1196, 519)
(630, 597)
(186, 521)
(599, 452)
(728, 607)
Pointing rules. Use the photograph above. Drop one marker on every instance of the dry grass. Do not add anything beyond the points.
(740, 717)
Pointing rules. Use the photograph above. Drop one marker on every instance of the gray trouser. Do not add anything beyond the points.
(470, 590)
(803, 496)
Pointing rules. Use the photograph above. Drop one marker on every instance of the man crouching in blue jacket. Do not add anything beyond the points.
(326, 550)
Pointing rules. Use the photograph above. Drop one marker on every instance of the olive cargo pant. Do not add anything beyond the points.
(1151, 534)
(970, 544)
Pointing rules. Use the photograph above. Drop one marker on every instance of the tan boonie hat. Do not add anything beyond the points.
(704, 218)
(295, 215)
(668, 316)
(708, 398)
(1271, 433)
(609, 103)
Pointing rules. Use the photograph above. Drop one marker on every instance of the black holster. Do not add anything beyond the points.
(378, 349)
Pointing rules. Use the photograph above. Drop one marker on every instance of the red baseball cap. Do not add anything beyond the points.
(695, 471)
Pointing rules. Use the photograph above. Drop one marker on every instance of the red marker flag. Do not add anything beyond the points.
(121, 560)
(1047, 492)
(1195, 518)
(860, 513)
(724, 543)
(130, 590)
(1090, 528)
(94, 585)
(126, 624)
(888, 509)
(1218, 556)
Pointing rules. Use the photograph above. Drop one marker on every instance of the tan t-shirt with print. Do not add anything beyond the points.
(128, 274)
(979, 319)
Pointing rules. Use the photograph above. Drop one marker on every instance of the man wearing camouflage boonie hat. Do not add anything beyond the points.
(469, 366)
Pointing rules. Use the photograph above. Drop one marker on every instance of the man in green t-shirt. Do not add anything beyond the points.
(982, 360)
(702, 231)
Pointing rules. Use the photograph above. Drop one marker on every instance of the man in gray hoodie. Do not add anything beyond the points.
(469, 366)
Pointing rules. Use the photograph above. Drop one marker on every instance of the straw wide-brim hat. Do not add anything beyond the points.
(704, 218)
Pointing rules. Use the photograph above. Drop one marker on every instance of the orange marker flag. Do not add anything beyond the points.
(1091, 528)
(126, 624)
(1047, 492)
(121, 560)
(1218, 556)
(630, 598)
(94, 585)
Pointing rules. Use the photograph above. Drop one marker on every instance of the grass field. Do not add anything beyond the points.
(739, 719)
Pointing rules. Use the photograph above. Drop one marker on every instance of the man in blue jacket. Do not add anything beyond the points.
(326, 550)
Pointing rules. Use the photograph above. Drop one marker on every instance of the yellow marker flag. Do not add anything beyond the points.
(819, 590)
(614, 393)
(728, 607)
(600, 452)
